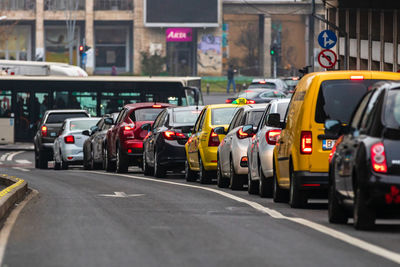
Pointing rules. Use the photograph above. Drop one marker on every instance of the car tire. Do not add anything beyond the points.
(146, 168)
(222, 182)
(159, 171)
(266, 186)
(42, 160)
(190, 175)
(64, 164)
(204, 175)
(253, 186)
(36, 159)
(336, 213)
(279, 195)
(109, 166)
(86, 163)
(234, 179)
(57, 164)
(363, 216)
(297, 197)
(122, 161)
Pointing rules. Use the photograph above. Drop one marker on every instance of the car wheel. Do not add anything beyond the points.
(190, 175)
(204, 176)
(57, 164)
(146, 168)
(297, 198)
(159, 171)
(364, 216)
(266, 184)
(64, 164)
(86, 163)
(42, 160)
(36, 159)
(336, 213)
(252, 185)
(279, 195)
(122, 161)
(235, 182)
(109, 165)
(222, 182)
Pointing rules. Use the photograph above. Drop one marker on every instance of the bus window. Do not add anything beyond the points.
(149, 97)
(61, 100)
(85, 100)
(5, 104)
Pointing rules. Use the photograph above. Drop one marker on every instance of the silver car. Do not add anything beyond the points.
(232, 151)
(68, 146)
(260, 151)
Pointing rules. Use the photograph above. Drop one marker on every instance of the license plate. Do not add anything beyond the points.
(52, 134)
(327, 144)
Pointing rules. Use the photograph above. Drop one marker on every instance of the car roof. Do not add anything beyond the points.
(214, 106)
(346, 74)
(83, 119)
(261, 106)
(146, 105)
(66, 111)
(185, 108)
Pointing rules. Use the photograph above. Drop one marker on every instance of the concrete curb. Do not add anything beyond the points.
(15, 192)
(16, 148)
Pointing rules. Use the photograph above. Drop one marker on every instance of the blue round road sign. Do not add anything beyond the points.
(327, 39)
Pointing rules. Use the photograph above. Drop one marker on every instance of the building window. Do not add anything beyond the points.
(17, 4)
(64, 5)
(56, 44)
(113, 51)
(113, 5)
(15, 42)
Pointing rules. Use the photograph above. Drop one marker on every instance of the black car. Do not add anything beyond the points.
(164, 146)
(258, 95)
(93, 146)
(364, 168)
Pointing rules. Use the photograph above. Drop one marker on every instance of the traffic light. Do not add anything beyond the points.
(272, 51)
(81, 50)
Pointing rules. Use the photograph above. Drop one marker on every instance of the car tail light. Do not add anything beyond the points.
(251, 101)
(228, 101)
(242, 135)
(171, 135)
(272, 136)
(129, 127)
(262, 82)
(157, 106)
(378, 158)
(356, 77)
(213, 140)
(306, 142)
(69, 139)
(44, 130)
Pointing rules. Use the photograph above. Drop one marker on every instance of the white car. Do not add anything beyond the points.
(68, 146)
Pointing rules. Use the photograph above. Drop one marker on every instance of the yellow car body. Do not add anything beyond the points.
(294, 169)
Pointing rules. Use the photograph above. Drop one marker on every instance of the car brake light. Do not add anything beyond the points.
(357, 77)
(213, 140)
(251, 102)
(228, 101)
(242, 135)
(378, 158)
(156, 106)
(262, 82)
(272, 136)
(129, 127)
(44, 130)
(171, 135)
(306, 142)
(69, 139)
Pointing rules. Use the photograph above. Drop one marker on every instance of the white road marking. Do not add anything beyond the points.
(13, 154)
(23, 161)
(4, 156)
(9, 224)
(373, 249)
(121, 194)
(20, 169)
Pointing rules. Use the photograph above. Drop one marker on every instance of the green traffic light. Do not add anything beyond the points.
(272, 52)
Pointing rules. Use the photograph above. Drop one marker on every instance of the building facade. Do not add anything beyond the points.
(139, 37)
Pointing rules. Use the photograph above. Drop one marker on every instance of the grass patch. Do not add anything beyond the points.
(218, 84)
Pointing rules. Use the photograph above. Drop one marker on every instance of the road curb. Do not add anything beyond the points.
(15, 148)
(15, 192)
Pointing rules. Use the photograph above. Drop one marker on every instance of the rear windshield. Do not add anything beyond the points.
(391, 115)
(254, 117)
(337, 99)
(60, 117)
(82, 124)
(220, 116)
(282, 107)
(145, 114)
(263, 85)
(273, 94)
(249, 94)
(186, 116)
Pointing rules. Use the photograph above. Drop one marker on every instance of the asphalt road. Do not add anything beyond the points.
(82, 218)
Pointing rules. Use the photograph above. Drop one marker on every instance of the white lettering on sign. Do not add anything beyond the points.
(177, 35)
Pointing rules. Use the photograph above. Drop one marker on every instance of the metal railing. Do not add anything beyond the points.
(17, 4)
(113, 4)
(64, 4)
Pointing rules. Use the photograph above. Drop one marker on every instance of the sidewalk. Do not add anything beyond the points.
(17, 146)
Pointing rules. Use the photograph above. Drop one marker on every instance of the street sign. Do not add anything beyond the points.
(327, 59)
(327, 39)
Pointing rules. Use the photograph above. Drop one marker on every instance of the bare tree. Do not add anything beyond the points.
(248, 42)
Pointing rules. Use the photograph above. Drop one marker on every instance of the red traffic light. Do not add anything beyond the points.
(81, 48)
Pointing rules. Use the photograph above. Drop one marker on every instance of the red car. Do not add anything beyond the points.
(124, 142)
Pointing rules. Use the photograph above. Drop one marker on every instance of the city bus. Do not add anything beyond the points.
(24, 99)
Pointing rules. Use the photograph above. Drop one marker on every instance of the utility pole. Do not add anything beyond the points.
(311, 30)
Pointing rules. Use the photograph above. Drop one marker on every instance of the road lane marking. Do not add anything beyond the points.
(20, 169)
(373, 249)
(9, 223)
(23, 161)
(120, 194)
(4, 156)
(13, 154)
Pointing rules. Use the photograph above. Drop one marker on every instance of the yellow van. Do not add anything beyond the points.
(302, 151)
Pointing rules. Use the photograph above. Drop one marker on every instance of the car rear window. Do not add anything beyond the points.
(145, 114)
(337, 99)
(60, 117)
(82, 125)
(249, 94)
(254, 117)
(263, 85)
(391, 115)
(221, 116)
(273, 94)
(186, 116)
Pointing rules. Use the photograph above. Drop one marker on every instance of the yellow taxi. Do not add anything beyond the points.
(301, 153)
(201, 148)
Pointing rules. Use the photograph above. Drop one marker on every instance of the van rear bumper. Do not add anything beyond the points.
(312, 180)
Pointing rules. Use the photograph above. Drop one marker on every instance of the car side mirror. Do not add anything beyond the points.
(86, 132)
(333, 128)
(94, 129)
(274, 120)
(249, 129)
(146, 127)
(108, 121)
(219, 130)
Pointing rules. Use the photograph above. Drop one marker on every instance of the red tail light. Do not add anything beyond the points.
(157, 106)
(129, 127)
(378, 158)
(251, 102)
(44, 130)
(228, 101)
(213, 140)
(171, 135)
(242, 135)
(306, 142)
(272, 136)
(356, 77)
(69, 139)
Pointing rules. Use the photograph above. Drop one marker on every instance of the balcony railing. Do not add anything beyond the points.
(17, 4)
(113, 4)
(64, 5)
